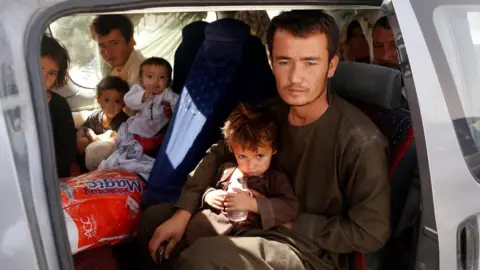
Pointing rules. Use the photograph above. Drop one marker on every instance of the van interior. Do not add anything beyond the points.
(378, 93)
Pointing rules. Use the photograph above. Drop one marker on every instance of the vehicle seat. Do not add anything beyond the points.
(231, 66)
(377, 91)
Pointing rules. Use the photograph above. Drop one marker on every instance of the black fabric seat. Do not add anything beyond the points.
(377, 91)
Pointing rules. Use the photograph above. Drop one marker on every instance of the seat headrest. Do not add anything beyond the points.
(194, 32)
(227, 30)
(371, 84)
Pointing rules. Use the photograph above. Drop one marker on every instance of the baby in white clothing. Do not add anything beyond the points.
(152, 99)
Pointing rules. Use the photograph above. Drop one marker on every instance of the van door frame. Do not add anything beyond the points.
(449, 190)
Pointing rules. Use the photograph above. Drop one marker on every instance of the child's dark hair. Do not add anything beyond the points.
(251, 128)
(52, 49)
(157, 61)
(112, 82)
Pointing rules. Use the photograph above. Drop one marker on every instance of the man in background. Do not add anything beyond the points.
(114, 36)
(384, 47)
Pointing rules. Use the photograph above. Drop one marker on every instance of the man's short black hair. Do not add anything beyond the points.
(102, 25)
(52, 49)
(300, 23)
(382, 22)
(157, 61)
(114, 83)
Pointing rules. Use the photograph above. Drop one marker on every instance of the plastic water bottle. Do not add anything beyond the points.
(237, 216)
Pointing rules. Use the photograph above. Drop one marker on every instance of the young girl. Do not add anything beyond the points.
(55, 61)
(153, 100)
(96, 137)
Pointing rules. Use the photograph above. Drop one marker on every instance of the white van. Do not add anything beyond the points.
(438, 43)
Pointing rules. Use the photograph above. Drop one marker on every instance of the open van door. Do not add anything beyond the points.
(442, 38)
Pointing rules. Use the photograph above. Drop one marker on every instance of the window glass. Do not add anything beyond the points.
(459, 33)
(156, 34)
(73, 32)
(474, 22)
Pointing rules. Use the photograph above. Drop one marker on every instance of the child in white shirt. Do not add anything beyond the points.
(153, 99)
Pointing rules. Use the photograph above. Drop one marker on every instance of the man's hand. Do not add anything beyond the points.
(167, 110)
(216, 198)
(288, 225)
(240, 200)
(171, 231)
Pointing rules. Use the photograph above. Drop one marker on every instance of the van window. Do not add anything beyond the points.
(469, 37)
(155, 34)
(458, 29)
(73, 32)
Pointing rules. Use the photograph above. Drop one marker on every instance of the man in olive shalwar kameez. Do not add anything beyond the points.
(334, 156)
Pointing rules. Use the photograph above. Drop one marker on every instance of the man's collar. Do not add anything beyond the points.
(131, 58)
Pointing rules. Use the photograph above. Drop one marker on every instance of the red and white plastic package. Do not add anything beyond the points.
(101, 207)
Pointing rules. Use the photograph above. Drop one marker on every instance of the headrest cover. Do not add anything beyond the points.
(371, 84)
(227, 30)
